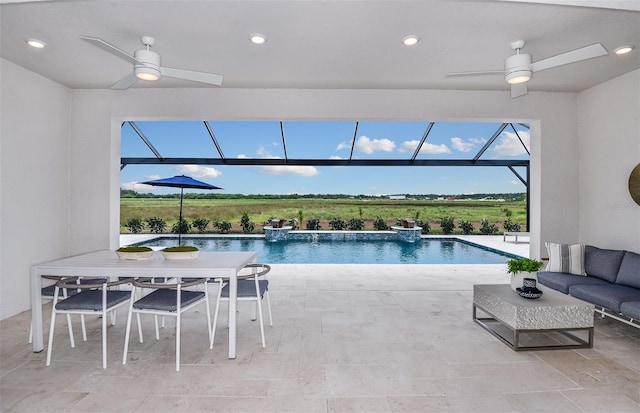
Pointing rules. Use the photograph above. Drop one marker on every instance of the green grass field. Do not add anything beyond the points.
(261, 210)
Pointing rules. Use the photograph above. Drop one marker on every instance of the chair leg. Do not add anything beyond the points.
(127, 334)
(139, 327)
(206, 303)
(31, 331)
(70, 327)
(84, 328)
(259, 306)
(215, 318)
(266, 293)
(51, 328)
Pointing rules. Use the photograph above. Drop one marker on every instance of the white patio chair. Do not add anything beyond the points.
(93, 298)
(252, 286)
(167, 299)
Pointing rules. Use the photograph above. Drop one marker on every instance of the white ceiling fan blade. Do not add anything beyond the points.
(518, 90)
(109, 48)
(478, 73)
(589, 52)
(125, 83)
(201, 77)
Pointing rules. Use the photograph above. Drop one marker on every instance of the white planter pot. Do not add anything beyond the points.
(516, 279)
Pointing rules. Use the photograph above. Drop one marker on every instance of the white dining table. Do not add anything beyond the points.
(106, 263)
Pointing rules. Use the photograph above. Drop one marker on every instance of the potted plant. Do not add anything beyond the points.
(184, 252)
(521, 268)
(134, 253)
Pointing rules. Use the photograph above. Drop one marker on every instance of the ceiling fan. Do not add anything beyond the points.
(518, 68)
(147, 65)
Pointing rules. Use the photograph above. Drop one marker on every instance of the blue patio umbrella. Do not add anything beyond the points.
(181, 181)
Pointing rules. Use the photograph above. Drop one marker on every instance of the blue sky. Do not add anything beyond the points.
(327, 140)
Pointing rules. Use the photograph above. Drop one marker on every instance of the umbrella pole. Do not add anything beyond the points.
(180, 220)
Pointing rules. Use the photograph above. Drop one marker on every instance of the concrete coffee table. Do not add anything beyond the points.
(552, 321)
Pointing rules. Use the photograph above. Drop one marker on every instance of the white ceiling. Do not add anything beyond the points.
(322, 44)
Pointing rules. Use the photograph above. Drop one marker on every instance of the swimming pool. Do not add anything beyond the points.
(424, 251)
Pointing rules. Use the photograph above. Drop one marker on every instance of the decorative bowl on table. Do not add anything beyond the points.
(530, 293)
(180, 253)
(134, 253)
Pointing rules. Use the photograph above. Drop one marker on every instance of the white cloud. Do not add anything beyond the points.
(514, 182)
(336, 157)
(369, 146)
(295, 170)
(134, 186)
(197, 171)
(461, 145)
(509, 144)
(410, 146)
(343, 145)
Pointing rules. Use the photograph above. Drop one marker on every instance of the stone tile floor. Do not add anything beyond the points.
(346, 338)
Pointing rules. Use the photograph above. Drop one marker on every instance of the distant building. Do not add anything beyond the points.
(397, 197)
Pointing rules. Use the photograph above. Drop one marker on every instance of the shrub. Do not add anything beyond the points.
(300, 216)
(424, 225)
(223, 226)
(246, 224)
(180, 227)
(466, 226)
(355, 224)
(447, 225)
(380, 225)
(313, 224)
(156, 225)
(201, 224)
(135, 225)
(511, 226)
(337, 224)
(507, 212)
(487, 228)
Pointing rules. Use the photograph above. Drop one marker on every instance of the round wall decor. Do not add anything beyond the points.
(634, 184)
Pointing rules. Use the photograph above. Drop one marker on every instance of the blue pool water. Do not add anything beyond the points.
(425, 251)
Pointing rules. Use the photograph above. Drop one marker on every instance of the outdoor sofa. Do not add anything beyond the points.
(609, 279)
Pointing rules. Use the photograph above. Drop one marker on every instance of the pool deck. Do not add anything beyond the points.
(388, 338)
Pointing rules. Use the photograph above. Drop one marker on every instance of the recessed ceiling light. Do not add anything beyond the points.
(257, 38)
(410, 40)
(38, 44)
(623, 49)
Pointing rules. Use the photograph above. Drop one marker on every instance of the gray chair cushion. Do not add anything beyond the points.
(247, 288)
(602, 263)
(92, 300)
(608, 296)
(49, 291)
(631, 309)
(165, 300)
(629, 273)
(562, 281)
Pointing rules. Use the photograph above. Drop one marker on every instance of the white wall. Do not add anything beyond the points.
(34, 172)
(609, 130)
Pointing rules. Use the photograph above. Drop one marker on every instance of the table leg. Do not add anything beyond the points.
(36, 311)
(233, 295)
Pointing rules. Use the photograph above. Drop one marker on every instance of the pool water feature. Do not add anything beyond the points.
(358, 251)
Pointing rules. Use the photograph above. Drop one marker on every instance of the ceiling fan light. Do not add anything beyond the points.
(518, 76)
(147, 73)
